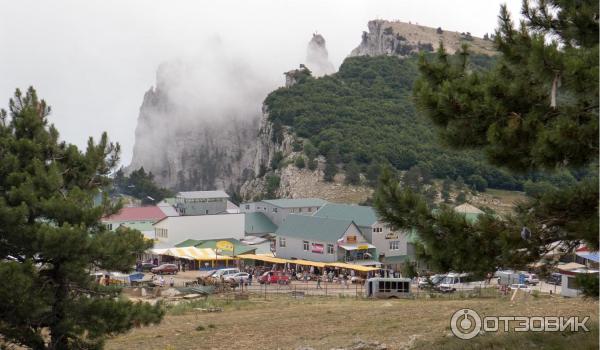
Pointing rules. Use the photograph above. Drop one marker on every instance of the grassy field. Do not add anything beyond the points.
(325, 323)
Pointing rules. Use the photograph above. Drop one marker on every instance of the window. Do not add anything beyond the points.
(109, 227)
(206, 211)
(394, 245)
(293, 210)
(377, 229)
(161, 232)
(247, 206)
(330, 249)
(299, 210)
(281, 241)
(305, 245)
(572, 283)
(309, 210)
(274, 210)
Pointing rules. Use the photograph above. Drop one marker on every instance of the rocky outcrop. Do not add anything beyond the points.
(317, 57)
(401, 39)
(197, 128)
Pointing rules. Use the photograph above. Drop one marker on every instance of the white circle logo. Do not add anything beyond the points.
(465, 324)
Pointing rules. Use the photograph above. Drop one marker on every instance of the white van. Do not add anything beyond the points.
(225, 273)
(459, 281)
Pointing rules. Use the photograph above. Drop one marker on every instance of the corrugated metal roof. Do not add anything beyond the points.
(203, 194)
(259, 223)
(313, 228)
(296, 203)
(361, 215)
(151, 213)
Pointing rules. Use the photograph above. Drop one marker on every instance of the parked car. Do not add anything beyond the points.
(520, 286)
(430, 282)
(240, 277)
(270, 277)
(165, 269)
(225, 273)
(532, 279)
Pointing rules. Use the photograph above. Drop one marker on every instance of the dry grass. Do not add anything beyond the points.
(325, 323)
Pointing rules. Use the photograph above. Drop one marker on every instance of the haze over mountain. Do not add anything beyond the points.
(93, 61)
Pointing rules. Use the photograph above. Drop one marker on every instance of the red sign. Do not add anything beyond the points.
(317, 248)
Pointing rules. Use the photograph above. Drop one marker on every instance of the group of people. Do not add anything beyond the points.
(159, 280)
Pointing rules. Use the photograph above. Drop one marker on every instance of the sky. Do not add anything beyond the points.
(92, 61)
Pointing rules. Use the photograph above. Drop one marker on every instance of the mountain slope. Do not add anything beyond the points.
(365, 112)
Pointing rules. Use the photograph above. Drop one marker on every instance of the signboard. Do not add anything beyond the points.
(363, 247)
(225, 245)
(350, 239)
(317, 248)
(391, 235)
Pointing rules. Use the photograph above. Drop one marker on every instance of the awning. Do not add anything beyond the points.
(263, 258)
(569, 266)
(193, 253)
(307, 263)
(357, 246)
(353, 267)
(157, 251)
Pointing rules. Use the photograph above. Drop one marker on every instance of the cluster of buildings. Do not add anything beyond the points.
(309, 229)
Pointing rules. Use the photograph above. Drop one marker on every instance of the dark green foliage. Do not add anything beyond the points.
(312, 164)
(461, 198)
(409, 269)
(537, 189)
(367, 111)
(296, 146)
(522, 122)
(52, 237)
(352, 174)
(276, 160)
(277, 134)
(477, 183)
(373, 172)
(299, 162)
(273, 182)
(588, 283)
(140, 185)
(331, 165)
(509, 110)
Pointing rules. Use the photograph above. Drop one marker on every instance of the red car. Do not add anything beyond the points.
(270, 277)
(165, 269)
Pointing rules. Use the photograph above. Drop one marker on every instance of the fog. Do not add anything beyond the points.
(93, 60)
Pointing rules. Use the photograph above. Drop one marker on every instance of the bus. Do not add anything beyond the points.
(388, 287)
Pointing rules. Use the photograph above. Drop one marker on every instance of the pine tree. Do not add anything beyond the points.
(352, 173)
(536, 109)
(331, 165)
(52, 238)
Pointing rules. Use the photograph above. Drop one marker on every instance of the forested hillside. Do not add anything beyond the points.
(364, 114)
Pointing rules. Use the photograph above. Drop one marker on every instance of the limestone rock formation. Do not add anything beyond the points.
(197, 129)
(317, 57)
(401, 39)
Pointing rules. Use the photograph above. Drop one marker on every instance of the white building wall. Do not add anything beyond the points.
(382, 240)
(202, 227)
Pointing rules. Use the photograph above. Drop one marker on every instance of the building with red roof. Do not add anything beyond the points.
(139, 218)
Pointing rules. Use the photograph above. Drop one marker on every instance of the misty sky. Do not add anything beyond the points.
(93, 60)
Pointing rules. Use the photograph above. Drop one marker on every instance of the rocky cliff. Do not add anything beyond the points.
(317, 57)
(197, 127)
(401, 39)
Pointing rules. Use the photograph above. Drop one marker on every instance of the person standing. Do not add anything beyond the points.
(171, 282)
(319, 282)
(250, 278)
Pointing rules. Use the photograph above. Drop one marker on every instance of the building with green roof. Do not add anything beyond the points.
(277, 210)
(390, 243)
(258, 224)
(323, 239)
